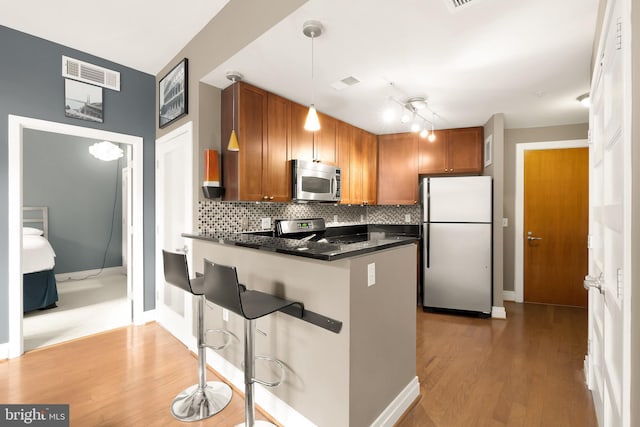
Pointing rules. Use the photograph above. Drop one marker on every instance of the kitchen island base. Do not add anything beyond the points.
(365, 374)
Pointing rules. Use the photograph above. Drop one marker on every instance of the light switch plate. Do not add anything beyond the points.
(371, 274)
(266, 223)
(505, 222)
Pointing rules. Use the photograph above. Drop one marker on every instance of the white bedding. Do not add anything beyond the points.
(37, 254)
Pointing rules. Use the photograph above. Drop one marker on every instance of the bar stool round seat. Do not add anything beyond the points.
(222, 288)
(206, 398)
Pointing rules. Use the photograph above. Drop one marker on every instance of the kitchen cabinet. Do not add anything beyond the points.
(363, 156)
(454, 151)
(259, 170)
(344, 136)
(319, 146)
(398, 169)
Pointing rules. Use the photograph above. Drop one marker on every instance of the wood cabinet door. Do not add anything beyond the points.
(276, 174)
(324, 140)
(432, 155)
(369, 168)
(301, 139)
(356, 160)
(398, 169)
(252, 129)
(465, 151)
(344, 136)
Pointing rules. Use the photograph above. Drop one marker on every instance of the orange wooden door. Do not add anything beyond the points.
(556, 212)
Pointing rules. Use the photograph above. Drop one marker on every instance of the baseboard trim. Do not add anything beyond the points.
(145, 317)
(80, 275)
(498, 313)
(4, 351)
(399, 405)
(274, 406)
(509, 295)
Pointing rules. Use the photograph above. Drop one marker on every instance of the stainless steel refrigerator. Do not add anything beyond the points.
(457, 245)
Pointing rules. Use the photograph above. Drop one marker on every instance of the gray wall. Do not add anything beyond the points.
(31, 86)
(495, 128)
(511, 138)
(80, 191)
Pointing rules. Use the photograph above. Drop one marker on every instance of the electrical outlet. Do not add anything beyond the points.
(244, 223)
(371, 274)
(225, 314)
(505, 222)
(266, 223)
(335, 218)
(407, 217)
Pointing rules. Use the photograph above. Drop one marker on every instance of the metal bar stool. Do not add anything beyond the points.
(204, 399)
(222, 288)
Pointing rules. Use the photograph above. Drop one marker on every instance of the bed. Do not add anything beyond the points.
(38, 261)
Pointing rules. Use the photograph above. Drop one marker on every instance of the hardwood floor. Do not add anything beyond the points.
(526, 371)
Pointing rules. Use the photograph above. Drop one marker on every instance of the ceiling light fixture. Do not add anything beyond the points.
(106, 151)
(233, 145)
(312, 29)
(412, 111)
(584, 99)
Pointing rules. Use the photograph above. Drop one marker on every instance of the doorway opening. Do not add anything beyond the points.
(17, 126)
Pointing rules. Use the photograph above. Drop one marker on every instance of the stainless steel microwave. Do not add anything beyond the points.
(314, 182)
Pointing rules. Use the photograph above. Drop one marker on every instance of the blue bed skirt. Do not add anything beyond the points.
(39, 290)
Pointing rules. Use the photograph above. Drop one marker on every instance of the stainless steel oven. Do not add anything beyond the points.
(314, 182)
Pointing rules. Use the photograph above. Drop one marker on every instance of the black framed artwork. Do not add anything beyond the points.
(83, 101)
(172, 94)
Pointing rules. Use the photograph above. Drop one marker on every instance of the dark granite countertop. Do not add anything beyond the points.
(371, 241)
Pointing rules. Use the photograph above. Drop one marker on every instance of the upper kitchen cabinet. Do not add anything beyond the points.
(363, 162)
(319, 146)
(398, 169)
(454, 151)
(344, 136)
(259, 170)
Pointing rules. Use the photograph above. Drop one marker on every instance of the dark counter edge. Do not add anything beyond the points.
(236, 239)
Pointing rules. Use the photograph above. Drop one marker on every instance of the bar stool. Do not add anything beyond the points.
(204, 399)
(222, 288)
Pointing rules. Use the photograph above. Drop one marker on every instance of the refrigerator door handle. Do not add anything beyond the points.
(428, 244)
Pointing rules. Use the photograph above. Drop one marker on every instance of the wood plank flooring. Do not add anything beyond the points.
(526, 371)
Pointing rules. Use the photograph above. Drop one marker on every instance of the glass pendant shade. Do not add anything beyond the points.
(233, 142)
(312, 123)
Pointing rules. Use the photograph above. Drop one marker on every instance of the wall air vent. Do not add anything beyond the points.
(89, 73)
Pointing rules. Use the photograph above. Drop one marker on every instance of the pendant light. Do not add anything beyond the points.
(312, 29)
(234, 76)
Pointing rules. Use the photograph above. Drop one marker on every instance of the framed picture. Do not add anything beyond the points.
(172, 90)
(488, 151)
(82, 101)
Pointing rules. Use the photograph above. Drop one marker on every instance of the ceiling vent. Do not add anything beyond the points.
(458, 4)
(344, 83)
(89, 73)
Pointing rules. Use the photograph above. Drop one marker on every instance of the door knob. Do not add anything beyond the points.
(594, 282)
(530, 236)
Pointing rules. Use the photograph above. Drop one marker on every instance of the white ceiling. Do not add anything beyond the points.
(528, 59)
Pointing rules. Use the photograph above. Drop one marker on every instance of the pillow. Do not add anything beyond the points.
(30, 231)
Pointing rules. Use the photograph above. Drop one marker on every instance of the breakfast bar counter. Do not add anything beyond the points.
(363, 375)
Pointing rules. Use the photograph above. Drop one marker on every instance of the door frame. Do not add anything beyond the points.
(187, 128)
(519, 216)
(135, 276)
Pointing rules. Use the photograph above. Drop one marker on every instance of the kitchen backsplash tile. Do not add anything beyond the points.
(228, 216)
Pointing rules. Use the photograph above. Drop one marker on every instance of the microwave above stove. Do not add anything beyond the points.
(314, 182)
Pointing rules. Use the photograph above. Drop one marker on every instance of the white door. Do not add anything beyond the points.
(174, 216)
(607, 370)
